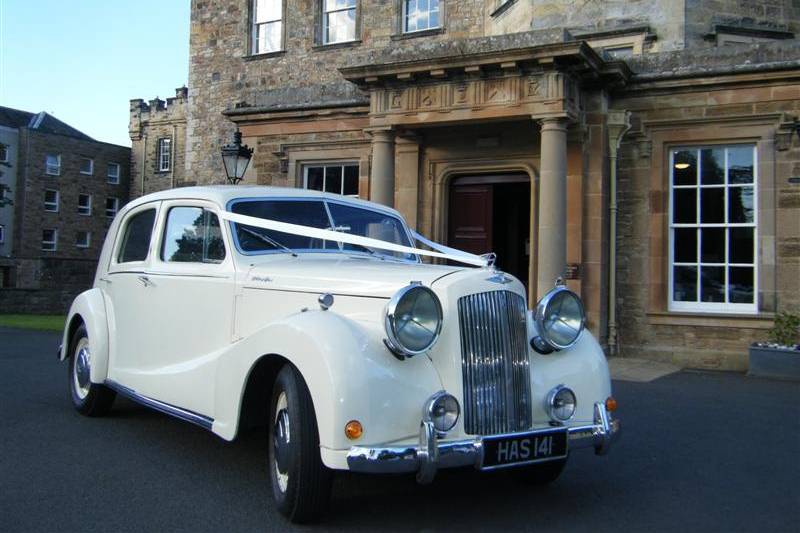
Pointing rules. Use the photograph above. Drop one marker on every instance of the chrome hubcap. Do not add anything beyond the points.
(82, 368)
(281, 439)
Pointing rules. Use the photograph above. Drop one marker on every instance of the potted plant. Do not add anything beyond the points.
(780, 357)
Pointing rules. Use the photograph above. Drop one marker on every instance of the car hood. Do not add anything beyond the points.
(339, 274)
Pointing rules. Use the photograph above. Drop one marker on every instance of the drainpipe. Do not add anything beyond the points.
(174, 148)
(144, 158)
(618, 123)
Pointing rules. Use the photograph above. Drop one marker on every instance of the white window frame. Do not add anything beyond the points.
(404, 21)
(326, 12)
(113, 179)
(85, 210)
(50, 246)
(86, 244)
(52, 207)
(333, 164)
(254, 26)
(113, 212)
(54, 169)
(713, 307)
(164, 165)
(91, 166)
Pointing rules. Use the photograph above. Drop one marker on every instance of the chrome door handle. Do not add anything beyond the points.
(146, 281)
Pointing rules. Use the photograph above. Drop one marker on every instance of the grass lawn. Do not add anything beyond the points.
(42, 322)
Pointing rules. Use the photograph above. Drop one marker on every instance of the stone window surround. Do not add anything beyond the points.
(319, 29)
(87, 207)
(399, 29)
(325, 164)
(502, 7)
(50, 245)
(87, 242)
(665, 135)
(300, 155)
(52, 206)
(55, 168)
(113, 178)
(250, 25)
(159, 160)
(111, 212)
(91, 166)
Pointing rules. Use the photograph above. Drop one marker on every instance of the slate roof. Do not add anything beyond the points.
(44, 122)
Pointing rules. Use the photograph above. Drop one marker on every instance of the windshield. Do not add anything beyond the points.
(317, 214)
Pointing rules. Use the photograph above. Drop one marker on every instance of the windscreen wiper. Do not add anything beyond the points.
(268, 240)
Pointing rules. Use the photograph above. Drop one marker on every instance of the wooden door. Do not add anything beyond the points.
(470, 227)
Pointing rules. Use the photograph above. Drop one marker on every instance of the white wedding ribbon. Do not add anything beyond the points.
(442, 252)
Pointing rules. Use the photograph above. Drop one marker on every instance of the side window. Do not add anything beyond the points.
(192, 235)
(136, 241)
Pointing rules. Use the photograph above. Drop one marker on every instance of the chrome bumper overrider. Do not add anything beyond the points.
(430, 455)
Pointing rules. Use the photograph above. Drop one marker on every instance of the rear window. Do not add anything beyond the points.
(136, 240)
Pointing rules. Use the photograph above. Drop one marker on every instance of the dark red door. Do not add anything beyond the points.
(470, 227)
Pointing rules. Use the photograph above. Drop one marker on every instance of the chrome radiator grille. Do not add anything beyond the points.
(495, 363)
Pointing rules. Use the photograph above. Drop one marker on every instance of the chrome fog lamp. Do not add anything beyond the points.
(413, 320)
(559, 320)
(442, 410)
(561, 403)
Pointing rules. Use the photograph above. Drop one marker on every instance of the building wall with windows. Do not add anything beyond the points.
(67, 185)
(9, 149)
(158, 143)
(462, 127)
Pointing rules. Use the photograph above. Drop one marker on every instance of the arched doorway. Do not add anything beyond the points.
(492, 213)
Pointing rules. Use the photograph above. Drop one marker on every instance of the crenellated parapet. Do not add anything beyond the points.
(157, 111)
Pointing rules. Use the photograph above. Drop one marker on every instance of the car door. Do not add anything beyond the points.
(191, 293)
(132, 333)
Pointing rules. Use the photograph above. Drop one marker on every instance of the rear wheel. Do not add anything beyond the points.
(541, 473)
(301, 484)
(90, 399)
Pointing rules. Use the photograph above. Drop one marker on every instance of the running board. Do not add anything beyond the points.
(183, 414)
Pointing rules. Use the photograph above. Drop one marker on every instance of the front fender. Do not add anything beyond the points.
(349, 372)
(89, 307)
(583, 368)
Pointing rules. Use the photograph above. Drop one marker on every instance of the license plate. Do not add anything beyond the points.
(524, 448)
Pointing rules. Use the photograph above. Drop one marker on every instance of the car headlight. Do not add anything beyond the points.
(413, 320)
(559, 319)
(561, 403)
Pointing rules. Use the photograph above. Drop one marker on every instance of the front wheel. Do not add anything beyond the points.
(301, 484)
(90, 399)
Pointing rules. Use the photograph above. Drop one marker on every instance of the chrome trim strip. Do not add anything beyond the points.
(430, 455)
(176, 412)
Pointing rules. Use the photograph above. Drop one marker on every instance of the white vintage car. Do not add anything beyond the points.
(315, 314)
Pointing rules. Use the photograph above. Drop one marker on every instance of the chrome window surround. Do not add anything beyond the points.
(495, 363)
(539, 316)
(391, 341)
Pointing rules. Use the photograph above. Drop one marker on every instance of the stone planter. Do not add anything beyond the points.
(780, 363)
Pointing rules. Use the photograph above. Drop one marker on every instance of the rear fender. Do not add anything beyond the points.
(89, 308)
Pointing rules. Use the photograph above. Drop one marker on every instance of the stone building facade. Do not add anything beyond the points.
(68, 188)
(158, 143)
(643, 149)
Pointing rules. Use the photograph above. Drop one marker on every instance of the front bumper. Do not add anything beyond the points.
(430, 455)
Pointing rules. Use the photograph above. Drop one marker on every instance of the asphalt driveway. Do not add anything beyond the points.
(700, 452)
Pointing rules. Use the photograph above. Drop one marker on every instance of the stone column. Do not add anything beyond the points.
(552, 248)
(381, 179)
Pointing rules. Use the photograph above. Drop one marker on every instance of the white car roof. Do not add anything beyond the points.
(223, 194)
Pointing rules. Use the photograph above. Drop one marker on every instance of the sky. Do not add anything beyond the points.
(84, 60)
